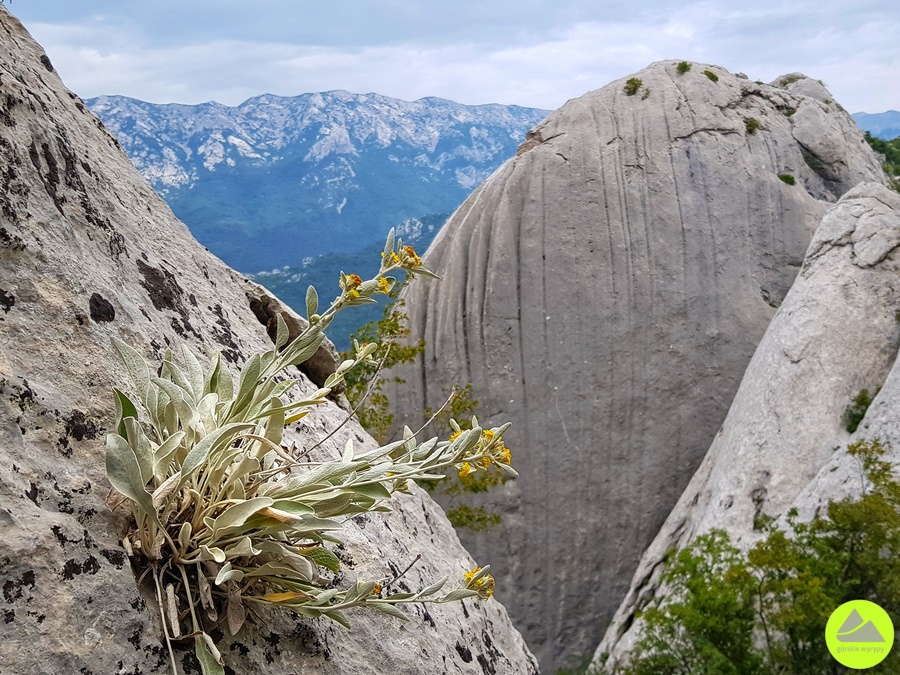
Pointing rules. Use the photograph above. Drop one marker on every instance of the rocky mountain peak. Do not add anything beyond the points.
(798, 83)
(314, 171)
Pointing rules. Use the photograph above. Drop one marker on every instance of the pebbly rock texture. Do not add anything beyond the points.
(604, 291)
(784, 440)
(88, 252)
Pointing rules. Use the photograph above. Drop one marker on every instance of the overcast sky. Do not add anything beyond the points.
(528, 52)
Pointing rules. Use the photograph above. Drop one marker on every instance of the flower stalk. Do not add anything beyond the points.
(227, 515)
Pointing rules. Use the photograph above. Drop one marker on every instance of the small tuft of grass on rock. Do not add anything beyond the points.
(633, 85)
(711, 75)
(683, 67)
(787, 178)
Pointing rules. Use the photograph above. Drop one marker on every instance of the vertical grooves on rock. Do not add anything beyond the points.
(464, 325)
(647, 338)
(543, 461)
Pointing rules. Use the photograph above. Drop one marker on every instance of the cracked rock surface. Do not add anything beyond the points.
(88, 252)
(604, 291)
(784, 440)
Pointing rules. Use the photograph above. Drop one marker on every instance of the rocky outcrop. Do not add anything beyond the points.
(88, 252)
(784, 441)
(605, 290)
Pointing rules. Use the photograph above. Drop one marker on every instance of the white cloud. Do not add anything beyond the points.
(538, 62)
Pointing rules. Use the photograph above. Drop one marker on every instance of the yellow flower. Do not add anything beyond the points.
(349, 284)
(485, 462)
(465, 470)
(487, 436)
(484, 586)
(505, 455)
(377, 589)
(411, 253)
(455, 435)
(384, 286)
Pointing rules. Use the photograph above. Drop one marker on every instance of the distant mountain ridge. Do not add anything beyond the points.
(884, 125)
(276, 179)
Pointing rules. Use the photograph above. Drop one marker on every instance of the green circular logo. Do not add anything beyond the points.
(859, 634)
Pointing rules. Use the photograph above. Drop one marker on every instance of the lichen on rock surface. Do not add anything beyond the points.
(89, 252)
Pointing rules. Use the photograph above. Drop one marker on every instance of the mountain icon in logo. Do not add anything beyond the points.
(856, 629)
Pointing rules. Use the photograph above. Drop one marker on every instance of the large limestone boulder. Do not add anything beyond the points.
(784, 441)
(604, 290)
(89, 252)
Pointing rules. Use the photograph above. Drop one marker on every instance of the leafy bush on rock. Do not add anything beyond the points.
(765, 611)
(227, 516)
(633, 85)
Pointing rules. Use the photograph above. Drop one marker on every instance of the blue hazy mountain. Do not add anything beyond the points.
(277, 180)
(884, 125)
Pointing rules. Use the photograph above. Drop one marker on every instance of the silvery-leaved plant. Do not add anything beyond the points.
(227, 516)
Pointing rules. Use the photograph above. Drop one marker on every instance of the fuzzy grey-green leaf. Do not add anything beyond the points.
(236, 515)
(312, 301)
(208, 663)
(458, 594)
(135, 365)
(201, 451)
(387, 608)
(322, 556)
(124, 474)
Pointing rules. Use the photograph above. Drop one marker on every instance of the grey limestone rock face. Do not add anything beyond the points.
(88, 252)
(604, 290)
(784, 441)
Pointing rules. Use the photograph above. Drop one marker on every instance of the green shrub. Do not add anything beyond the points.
(365, 392)
(765, 611)
(751, 124)
(633, 85)
(683, 67)
(711, 75)
(364, 387)
(461, 405)
(856, 411)
(787, 178)
(227, 517)
(472, 518)
(891, 152)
